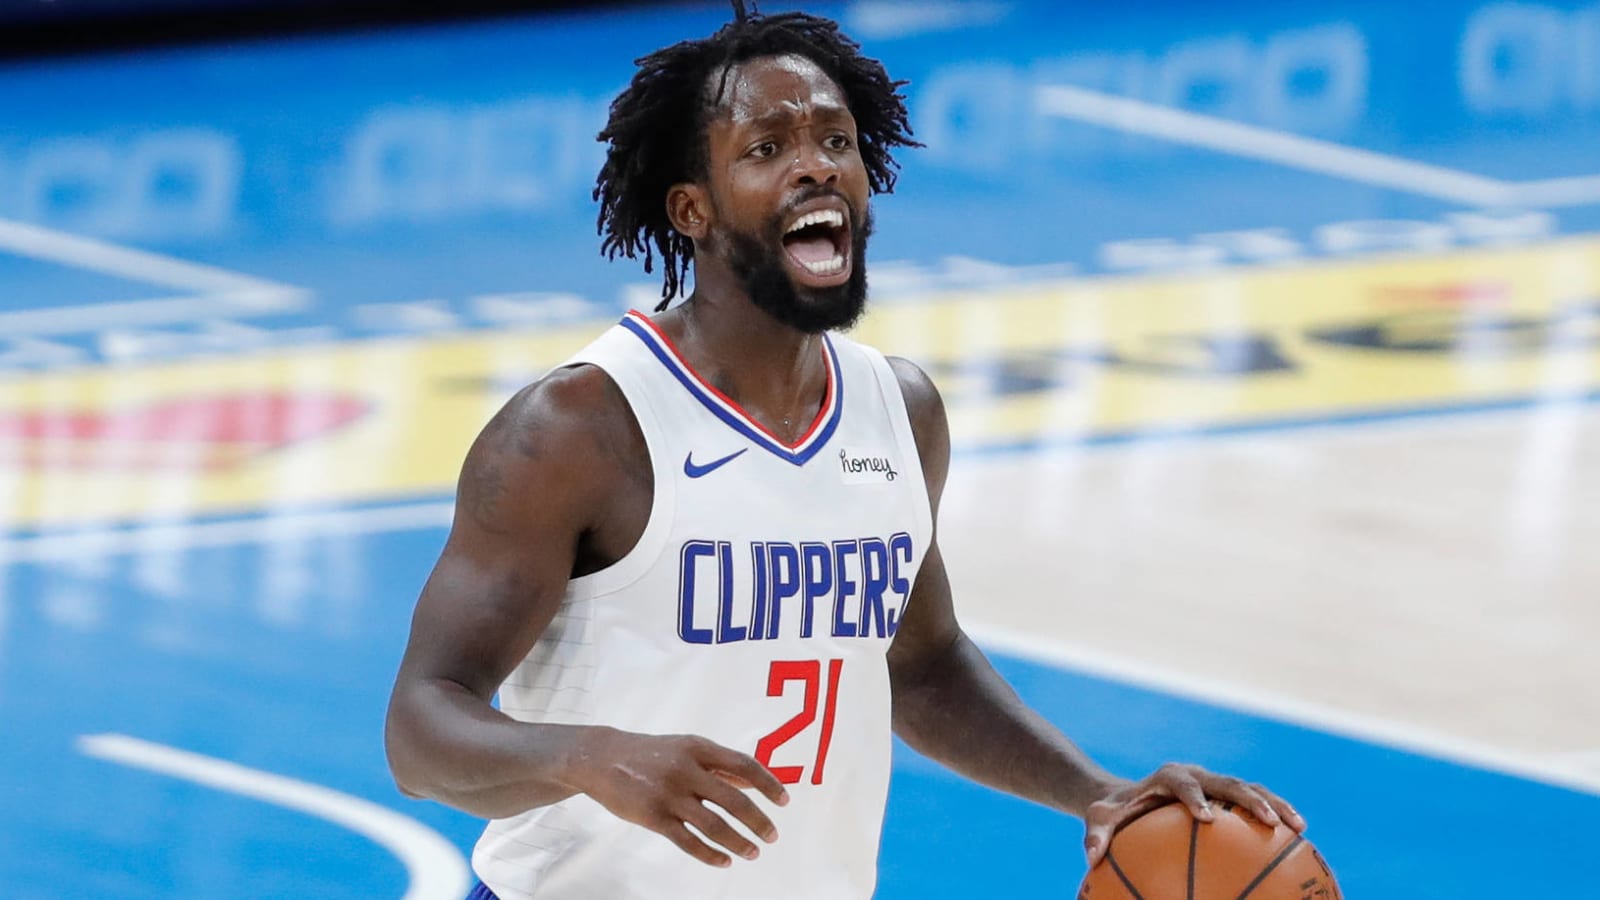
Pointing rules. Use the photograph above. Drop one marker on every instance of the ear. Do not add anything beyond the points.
(689, 209)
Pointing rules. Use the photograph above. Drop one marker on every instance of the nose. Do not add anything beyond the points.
(815, 165)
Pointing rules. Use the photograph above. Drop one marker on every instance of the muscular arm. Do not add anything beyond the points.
(951, 705)
(559, 484)
(949, 702)
(528, 493)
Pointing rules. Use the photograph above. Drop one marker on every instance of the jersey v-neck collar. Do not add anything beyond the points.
(731, 413)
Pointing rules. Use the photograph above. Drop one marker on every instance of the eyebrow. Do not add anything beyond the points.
(824, 111)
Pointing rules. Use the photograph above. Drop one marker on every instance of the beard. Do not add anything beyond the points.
(755, 261)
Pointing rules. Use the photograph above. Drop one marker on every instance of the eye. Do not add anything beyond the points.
(838, 142)
(764, 149)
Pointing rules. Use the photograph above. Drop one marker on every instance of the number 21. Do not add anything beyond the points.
(808, 671)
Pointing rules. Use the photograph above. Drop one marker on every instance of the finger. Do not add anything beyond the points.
(1286, 811)
(1103, 817)
(1096, 838)
(678, 833)
(733, 779)
(1246, 795)
(717, 829)
(736, 765)
(723, 792)
(1290, 815)
(1186, 787)
(1143, 804)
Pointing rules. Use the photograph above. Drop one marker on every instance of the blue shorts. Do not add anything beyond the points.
(480, 891)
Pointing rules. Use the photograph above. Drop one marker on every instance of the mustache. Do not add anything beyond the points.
(808, 194)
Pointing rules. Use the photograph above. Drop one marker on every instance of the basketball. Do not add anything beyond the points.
(1166, 854)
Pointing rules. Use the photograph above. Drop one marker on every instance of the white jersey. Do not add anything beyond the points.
(756, 610)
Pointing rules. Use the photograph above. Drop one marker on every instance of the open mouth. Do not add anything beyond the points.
(818, 246)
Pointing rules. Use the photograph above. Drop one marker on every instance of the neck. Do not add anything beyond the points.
(774, 372)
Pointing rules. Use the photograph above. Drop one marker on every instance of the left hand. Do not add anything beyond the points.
(1191, 785)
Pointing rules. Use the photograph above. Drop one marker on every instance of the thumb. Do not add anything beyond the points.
(1095, 842)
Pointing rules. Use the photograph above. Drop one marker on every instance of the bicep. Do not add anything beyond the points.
(929, 626)
(484, 606)
(522, 504)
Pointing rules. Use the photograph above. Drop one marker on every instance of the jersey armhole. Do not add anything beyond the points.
(900, 420)
(637, 561)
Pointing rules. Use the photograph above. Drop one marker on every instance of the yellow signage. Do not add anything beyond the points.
(1097, 360)
(1073, 361)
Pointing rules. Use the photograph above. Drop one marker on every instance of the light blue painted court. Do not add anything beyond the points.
(192, 695)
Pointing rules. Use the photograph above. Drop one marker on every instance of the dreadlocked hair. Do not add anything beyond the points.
(657, 128)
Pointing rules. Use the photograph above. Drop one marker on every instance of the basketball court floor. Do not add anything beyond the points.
(1269, 341)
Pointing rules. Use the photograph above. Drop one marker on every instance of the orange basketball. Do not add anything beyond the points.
(1166, 854)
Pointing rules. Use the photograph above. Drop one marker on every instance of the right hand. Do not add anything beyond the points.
(662, 782)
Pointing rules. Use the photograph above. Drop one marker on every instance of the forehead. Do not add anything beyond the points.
(771, 87)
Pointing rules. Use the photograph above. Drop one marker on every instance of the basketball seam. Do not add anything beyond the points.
(1123, 876)
(1276, 860)
(1194, 843)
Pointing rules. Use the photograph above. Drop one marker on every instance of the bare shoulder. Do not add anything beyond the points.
(533, 487)
(564, 435)
(922, 396)
(573, 403)
(929, 422)
(923, 403)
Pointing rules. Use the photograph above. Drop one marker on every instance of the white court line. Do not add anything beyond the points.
(437, 514)
(1559, 192)
(134, 313)
(219, 292)
(124, 262)
(434, 866)
(64, 546)
(1311, 154)
(1368, 729)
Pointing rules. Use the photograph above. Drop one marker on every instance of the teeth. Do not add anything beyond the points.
(827, 267)
(831, 217)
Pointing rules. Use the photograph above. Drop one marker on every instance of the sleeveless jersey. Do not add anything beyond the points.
(756, 610)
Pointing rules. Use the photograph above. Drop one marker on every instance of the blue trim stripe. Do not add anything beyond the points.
(686, 377)
(828, 427)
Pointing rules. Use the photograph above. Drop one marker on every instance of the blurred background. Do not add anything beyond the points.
(1269, 337)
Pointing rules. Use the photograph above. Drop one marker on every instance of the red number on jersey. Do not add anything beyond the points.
(808, 671)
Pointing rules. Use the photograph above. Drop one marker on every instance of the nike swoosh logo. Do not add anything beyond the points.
(694, 471)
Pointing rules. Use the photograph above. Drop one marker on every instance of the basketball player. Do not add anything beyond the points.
(698, 562)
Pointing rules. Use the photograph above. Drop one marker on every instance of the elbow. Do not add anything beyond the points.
(928, 670)
(416, 779)
(412, 780)
(405, 781)
(403, 768)
(409, 778)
